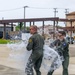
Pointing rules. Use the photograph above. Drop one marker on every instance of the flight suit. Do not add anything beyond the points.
(36, 43)
(62, 47)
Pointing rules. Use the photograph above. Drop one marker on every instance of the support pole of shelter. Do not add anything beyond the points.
(33, 22)
(43, 30)
(30, 23)
(11, 26)
(71, 29)
(24, 26)
(57, 25)
(20, 26)
(4, 32)
(54, 30)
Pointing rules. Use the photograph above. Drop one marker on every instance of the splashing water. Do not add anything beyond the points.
(51, 59)
(18, 49)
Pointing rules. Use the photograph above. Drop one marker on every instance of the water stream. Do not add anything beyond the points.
(51, 59)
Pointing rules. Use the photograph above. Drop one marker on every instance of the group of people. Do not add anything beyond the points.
(36, 44)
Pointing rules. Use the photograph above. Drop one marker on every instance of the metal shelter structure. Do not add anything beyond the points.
(33, 20)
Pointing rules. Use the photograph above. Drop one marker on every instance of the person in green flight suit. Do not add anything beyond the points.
(62, 47)
(35, 43)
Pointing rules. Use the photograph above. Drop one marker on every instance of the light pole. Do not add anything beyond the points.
(25, 10)
(24, 15)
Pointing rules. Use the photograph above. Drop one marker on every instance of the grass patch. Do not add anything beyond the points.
(4, 41)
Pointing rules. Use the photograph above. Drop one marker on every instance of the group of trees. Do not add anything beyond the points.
(20, 26)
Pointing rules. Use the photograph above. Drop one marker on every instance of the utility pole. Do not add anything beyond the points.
(55, 11)
(54, 25)
(66, 12)
(25, 16)
(2, 18)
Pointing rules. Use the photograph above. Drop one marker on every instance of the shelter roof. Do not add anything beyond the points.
(72, 13)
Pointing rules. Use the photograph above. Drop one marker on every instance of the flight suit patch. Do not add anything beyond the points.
(30, 40)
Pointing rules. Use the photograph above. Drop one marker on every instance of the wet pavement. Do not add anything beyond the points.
(15, 68)
(10, 71)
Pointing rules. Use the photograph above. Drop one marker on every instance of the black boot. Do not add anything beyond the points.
(50, 72)
(38, 73)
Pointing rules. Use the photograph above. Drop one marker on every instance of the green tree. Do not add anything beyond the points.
(20, 25)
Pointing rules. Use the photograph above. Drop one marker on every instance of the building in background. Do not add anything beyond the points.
(70, 16)
(68, 24)
(8, 29)
(48, 30)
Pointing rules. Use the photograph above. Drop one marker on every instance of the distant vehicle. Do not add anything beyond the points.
(70, 40)
(6, 37)
(1, 34)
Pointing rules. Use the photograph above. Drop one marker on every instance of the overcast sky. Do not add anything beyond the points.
(13, 9)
